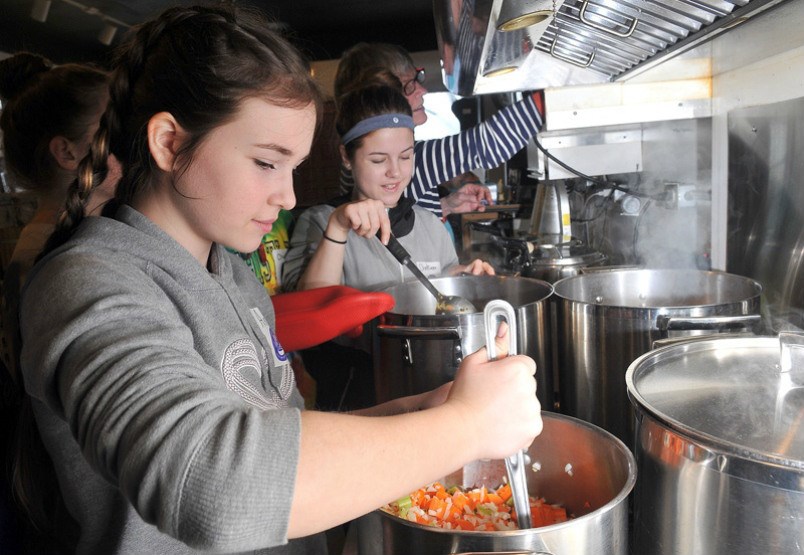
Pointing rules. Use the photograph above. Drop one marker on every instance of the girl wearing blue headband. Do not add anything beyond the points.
(336, 243)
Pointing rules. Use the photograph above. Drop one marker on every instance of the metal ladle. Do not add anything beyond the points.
(514, 464)
(445, 304)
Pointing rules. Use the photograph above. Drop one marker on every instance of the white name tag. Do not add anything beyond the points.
(430, 269)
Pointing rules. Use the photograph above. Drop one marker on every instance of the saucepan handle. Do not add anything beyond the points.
(419, 332)
(504, 553)
(791, 352)
(668, 323)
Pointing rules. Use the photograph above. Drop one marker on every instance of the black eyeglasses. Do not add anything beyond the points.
(410, 86)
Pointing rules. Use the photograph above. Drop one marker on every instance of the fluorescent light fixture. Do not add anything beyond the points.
(106, 36)
(40, 10)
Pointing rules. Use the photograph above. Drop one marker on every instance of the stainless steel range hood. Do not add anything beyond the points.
(571, 42)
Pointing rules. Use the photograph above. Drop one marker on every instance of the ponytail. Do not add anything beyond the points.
(197, 64)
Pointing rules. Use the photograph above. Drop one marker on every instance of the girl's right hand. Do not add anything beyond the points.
(365, 217)
(497, 400)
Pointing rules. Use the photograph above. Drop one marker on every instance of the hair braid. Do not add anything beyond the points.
(93, 168)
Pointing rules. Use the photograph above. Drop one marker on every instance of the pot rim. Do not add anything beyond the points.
(617, 500)
(655, 307)
(725, 456)
(549, 291)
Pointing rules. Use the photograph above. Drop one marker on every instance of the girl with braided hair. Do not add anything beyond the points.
(50, 113)
(158, 384)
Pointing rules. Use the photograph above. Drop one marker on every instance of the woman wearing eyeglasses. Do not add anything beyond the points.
(486, 145)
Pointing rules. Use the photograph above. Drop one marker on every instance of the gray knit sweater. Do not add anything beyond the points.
(162, 395)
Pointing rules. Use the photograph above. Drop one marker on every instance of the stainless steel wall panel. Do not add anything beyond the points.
(765, 238)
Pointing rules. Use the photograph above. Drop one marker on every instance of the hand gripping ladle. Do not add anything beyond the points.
(514, 464)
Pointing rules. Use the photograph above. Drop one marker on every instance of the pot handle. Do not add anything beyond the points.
(504, 553)
(612, 268)
(791, 352)
(418, 332)
(668, 323)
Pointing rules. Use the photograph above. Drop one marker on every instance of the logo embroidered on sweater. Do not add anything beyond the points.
(242, 372)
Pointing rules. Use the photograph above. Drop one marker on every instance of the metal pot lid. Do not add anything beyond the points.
(743, 396)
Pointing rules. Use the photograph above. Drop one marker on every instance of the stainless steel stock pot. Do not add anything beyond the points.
(416, 350)
(605, 320)
(720, 447)
(572, 463)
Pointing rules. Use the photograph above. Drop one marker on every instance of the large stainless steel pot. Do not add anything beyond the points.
(720, 447)
(416, 350)
(573, 463)
(605, 320)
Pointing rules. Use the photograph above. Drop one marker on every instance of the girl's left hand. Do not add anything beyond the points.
(476, 267)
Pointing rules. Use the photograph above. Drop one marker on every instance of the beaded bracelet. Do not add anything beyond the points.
(334, 240)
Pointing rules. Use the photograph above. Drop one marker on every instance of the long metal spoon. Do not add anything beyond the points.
(514, 464)
(445, 304)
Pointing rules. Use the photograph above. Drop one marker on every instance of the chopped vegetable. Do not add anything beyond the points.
(475, 509)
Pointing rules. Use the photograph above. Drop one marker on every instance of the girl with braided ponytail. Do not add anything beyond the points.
(158, 384)
(50, 114)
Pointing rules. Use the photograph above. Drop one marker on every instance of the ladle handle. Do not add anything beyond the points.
(403, 256)
(514, 464)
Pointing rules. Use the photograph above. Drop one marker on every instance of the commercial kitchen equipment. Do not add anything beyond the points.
(695, 127)
(608, 319)
(490, 46)
(720, 446)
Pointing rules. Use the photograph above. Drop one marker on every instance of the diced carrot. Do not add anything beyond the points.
(504, 491)
(436, 507)
(459, 500)
(452, 513)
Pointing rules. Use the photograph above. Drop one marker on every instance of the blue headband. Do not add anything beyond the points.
(373, 123)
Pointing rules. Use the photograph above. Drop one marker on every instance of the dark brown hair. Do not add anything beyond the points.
(42, 101)
(361, 65)
(197, 63)
(364, 103)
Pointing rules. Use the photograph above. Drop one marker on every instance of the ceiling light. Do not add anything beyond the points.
(500, 71)
(106, 36)
(40, 10)
(519, 14)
